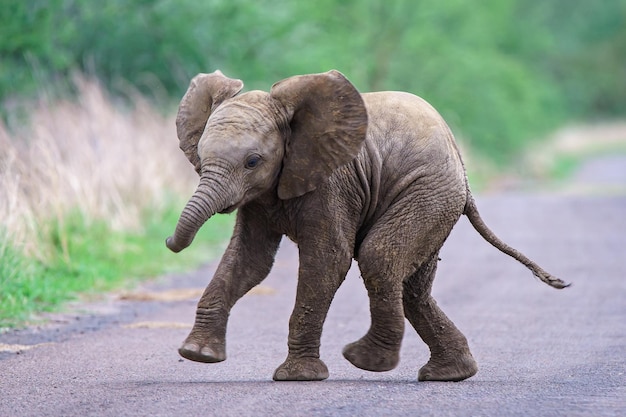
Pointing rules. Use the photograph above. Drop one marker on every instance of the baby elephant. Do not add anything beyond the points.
(376, 177)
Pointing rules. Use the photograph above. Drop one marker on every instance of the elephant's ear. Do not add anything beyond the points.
(205, 93)
(328, 124)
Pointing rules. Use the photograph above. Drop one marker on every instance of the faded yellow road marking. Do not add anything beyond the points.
(169, 295)
(19, 348)
(157, 325)
(262, 290)
(181, 294)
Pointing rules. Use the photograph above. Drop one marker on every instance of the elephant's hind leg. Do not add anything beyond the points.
(450, 356)
(379, 349)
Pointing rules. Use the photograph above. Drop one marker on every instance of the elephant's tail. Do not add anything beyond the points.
(471, 211)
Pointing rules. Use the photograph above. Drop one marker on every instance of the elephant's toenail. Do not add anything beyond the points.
(207, 351)
(191, 347)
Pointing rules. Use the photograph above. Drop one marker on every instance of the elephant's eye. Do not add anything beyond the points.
(253, 161)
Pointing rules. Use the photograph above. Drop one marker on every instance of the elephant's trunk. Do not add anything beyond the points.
(204, 203)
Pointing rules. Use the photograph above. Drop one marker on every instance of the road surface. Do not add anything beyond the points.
(541, 352)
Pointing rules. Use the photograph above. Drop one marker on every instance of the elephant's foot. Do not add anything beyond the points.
(201, 351)
(301, 369)
(449, 368)
(370, 356)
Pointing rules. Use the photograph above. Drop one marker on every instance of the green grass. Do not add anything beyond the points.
(89, 258)
(564, 165)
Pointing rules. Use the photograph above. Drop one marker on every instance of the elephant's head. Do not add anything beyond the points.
(287, 141)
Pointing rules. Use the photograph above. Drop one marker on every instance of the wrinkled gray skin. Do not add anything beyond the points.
(376, 177)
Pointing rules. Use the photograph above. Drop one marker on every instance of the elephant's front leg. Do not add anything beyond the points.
(246, 262)
(322, 270)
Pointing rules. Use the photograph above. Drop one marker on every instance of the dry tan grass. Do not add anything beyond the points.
(90, 156)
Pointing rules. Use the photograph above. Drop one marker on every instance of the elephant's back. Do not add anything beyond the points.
(407, 131)
(397, 117)
(410, 150)
(396, 106)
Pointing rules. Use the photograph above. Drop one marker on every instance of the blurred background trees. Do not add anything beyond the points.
(502, 72)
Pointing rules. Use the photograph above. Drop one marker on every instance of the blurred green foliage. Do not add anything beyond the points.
(502, 72)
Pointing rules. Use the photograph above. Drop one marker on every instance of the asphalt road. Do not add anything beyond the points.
(541, 352)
